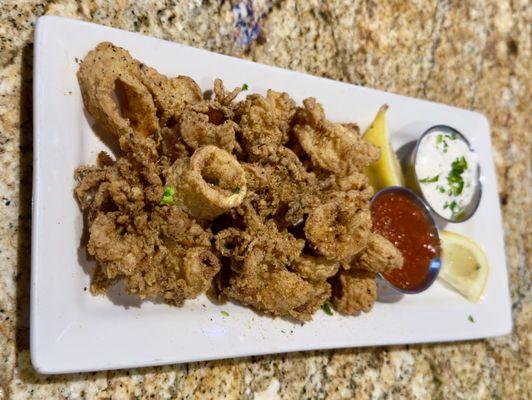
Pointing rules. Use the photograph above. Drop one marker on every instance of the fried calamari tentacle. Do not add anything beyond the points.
(339, 228)
(109, 70)
(222, 96)
(331, 146)
(117, 186)
(212, 183)
(379, 256)
(264, 122)
(276, 291)
(170, 95)
(164, 253)
(209, 123)
(315, 268)
(354, 291)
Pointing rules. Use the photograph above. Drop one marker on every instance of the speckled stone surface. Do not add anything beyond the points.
(474, 54)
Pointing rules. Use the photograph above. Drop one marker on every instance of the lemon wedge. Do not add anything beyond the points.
(464, 265)
(386, 171)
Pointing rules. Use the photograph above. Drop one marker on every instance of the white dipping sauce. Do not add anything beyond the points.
(447, 173)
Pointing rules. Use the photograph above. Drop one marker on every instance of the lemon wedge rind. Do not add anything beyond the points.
(465, 266)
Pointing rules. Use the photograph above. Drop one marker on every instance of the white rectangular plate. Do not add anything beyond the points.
(71, 330)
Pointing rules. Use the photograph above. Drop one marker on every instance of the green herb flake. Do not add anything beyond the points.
(439, 139)
(245, 87)
(326, 307)
(471, 319)
(456, 182)
(168, 196)
(224, 313)
(236, 190)
(430, 180)
(440, 189)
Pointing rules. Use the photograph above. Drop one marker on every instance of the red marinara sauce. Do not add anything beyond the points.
(401, 220)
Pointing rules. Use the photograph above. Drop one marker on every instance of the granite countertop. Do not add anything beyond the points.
(474, 54)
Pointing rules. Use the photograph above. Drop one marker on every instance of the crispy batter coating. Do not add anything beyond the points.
(354, 291)
(260, 199)
(265, 121)
(331, 146)
(379, 256)
(163, 254)
(209, 123)
(339, 228)
(278, 292)
(170, 95)
(209, 184)
(315, 268)
(107, 70)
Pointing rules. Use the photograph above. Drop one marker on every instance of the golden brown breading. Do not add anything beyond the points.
(280, 187)
(210, 183)
(264, 122)
(354, 291)
(159, 254)
(108, 69)
(379, 256)
(315, 268)
(209, 123)
(355, 182)
(170, 95)
(117, 183)
(331, 146)
(278, 292)
(339, 228)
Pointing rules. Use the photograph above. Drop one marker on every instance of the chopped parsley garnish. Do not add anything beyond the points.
(224, 313)
(471, 319)
(245, 87)
(168, 196)
(326, 307)
(440, 189)
(439, 139)
(236, 190)
(430, 180)
(452, 205)
(456, 182)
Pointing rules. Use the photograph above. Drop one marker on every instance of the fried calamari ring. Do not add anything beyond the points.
(212, 183)
(339, 228)
(354, 291)
(331, 146)
(109, 70)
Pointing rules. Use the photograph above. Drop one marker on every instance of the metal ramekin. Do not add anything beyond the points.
(435, 263)
(412, 180)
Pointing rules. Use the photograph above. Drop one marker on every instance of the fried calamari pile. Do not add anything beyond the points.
(260, 201)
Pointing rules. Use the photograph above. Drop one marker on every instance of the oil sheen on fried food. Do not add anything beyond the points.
(447, 173)
(400, 220)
